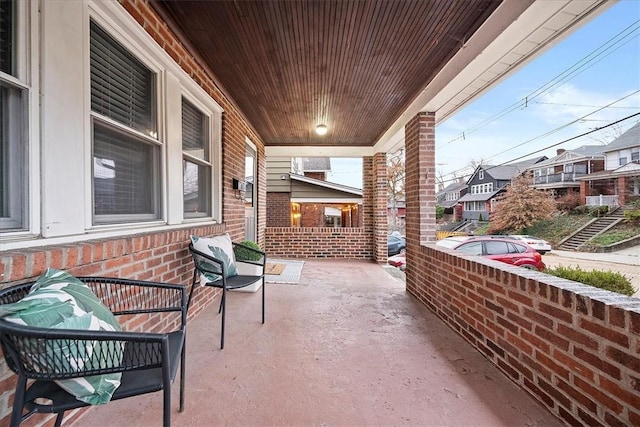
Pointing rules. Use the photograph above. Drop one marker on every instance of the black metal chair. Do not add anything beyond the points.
(148, 363)
(205, 263)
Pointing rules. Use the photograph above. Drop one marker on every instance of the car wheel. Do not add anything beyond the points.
(402, 250)
(542, 252)
(528, 266)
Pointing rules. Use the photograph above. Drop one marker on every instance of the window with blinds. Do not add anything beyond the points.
(13, 159)
(126, 158)
(196, 165)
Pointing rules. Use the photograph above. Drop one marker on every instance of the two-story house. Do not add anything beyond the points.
(562, 172)
(298, 195)
(486, 183)
(449, 198)
(619, 182)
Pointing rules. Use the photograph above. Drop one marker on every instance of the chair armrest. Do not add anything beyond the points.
(52, 354)
(126, 296)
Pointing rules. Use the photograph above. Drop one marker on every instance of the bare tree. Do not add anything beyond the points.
(395, 184)
(521, 206)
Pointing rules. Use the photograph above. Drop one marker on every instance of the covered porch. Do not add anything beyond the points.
(348, 345)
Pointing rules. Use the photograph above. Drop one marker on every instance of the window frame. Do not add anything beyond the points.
(209, 163)
(23, 208)
(153, 138)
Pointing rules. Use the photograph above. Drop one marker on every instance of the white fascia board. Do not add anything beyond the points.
(326, 200)
(317, 151)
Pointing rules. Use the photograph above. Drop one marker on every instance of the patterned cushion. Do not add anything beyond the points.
(219, 247)
(59, 300)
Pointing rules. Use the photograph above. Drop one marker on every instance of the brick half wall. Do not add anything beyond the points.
(573, 347)
(318, 242)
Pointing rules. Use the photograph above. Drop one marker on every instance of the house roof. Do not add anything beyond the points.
(631, 138)
(478, 197)
(570, 156)
(508, 171)
(326, 184)
(630, 169)
(316, 164)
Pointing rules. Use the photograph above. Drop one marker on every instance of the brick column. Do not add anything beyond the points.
(420, 179)
(374, 203)
(623, 190)
(380, 207)
(583, 192)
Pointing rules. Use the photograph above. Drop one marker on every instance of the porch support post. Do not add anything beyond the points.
(583, 192)
(420, 185)
(374, 199)
(623, 188)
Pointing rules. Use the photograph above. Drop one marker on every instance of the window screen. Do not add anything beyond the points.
(126, 166)
(196, 167)
(123, 176)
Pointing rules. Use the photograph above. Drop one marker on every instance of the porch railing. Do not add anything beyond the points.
(602, 200)
(557, 177)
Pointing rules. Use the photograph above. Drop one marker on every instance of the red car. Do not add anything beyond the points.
(399, 261)
(505, 250)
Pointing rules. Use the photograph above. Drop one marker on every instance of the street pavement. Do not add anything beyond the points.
(625, 262)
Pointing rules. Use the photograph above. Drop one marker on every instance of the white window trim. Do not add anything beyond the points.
(27, 70)
(125, 30)
(112, 17)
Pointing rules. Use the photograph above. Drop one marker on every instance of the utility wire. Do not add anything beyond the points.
(572, 71)
(545, 134)
(547, 147)
(563, 126)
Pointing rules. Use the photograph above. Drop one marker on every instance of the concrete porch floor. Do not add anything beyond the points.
(348, 346)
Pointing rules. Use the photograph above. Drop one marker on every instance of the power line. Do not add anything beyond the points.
(580, 66)
(563, 126)
(547, 147)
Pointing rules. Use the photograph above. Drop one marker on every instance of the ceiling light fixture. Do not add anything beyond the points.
(321, 129)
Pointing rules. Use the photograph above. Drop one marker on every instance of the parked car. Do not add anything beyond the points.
(536, 243)
(452, 241)
(506, 250)
(395, 245)
(399, 261)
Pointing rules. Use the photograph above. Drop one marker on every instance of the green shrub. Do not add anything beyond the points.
(633, 216)
(439, 212)
(243, 254)
(608, 280)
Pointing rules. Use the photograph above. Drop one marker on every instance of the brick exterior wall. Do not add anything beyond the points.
(279, 211)
(157, 256)
(573, 347)
(302, 242)
(316, 175)
(162, 256)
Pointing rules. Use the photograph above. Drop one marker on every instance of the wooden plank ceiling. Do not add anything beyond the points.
(353, 65)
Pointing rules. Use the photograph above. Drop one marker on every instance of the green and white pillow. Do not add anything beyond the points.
(219, 247)
(60, 301)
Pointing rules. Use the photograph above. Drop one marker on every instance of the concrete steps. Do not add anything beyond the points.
(593, 228)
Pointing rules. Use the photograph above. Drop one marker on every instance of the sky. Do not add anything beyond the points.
(587, 80)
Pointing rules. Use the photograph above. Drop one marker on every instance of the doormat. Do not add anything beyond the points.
(274, 269)
(290, 275)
